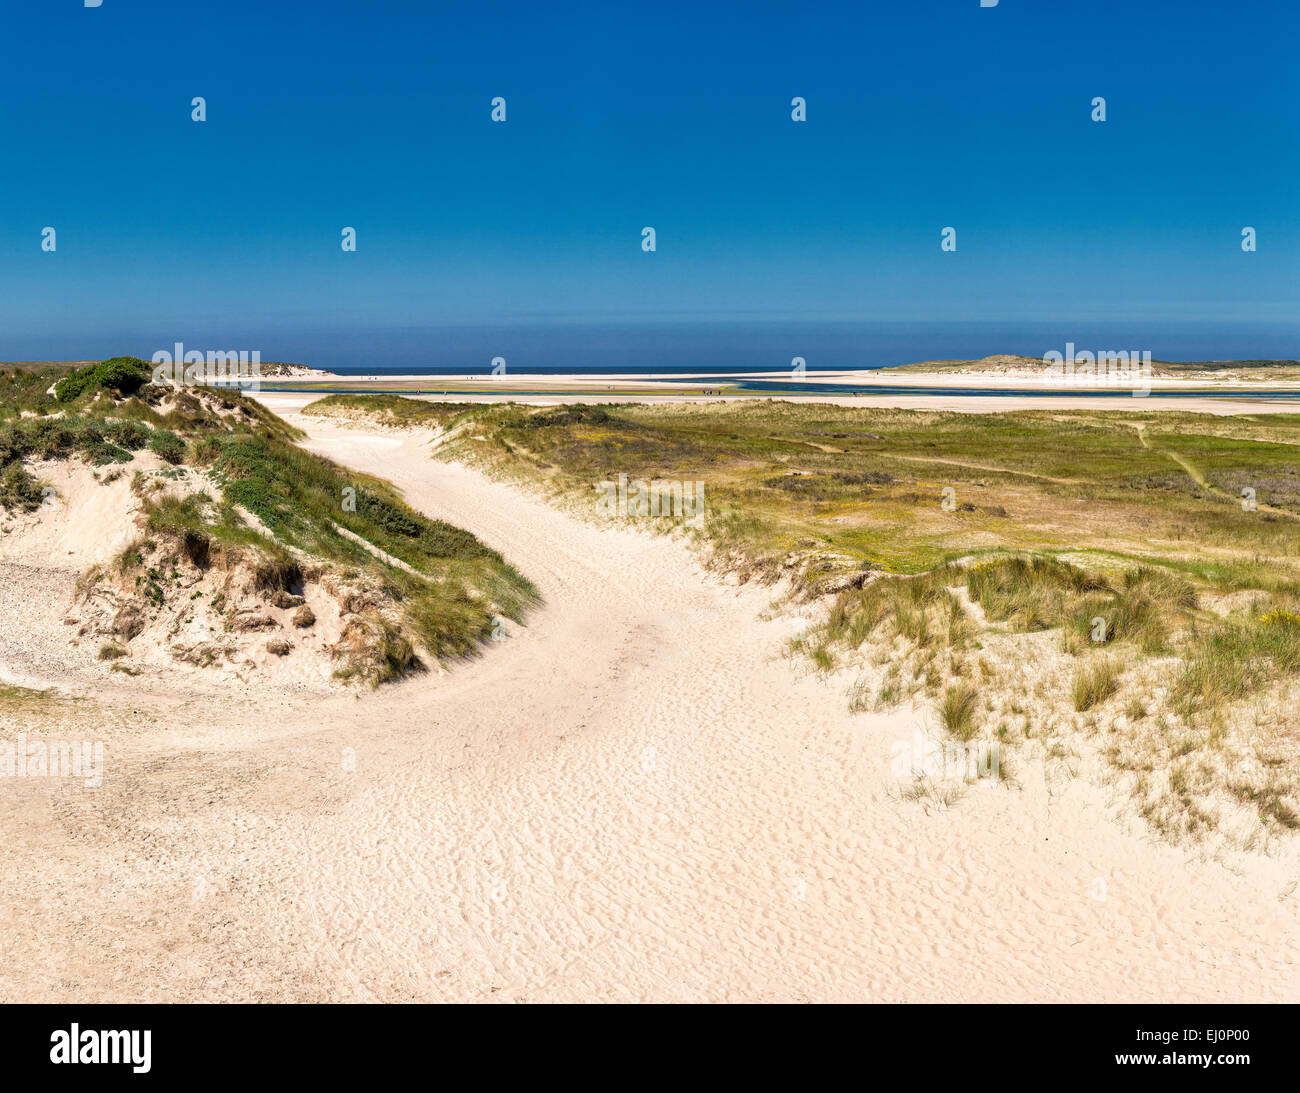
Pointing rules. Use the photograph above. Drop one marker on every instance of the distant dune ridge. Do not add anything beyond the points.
(1010, 365)
(279, 369)
(998, 364)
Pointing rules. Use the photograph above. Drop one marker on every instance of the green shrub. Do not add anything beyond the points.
(131, 435)
(46, 438)
(19, 491)
(122, 375)
(168, 446)
(579, 413)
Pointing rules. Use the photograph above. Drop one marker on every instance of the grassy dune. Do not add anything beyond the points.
(1091, 582)
(281, 509)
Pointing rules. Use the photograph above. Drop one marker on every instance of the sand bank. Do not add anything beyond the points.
(1014, 392)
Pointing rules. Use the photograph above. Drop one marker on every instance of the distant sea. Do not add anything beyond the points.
(671, 347)
(761, 346)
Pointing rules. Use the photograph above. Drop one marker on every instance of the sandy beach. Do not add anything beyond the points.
(634, 797)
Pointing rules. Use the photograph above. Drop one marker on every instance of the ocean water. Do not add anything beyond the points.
(723, 348)
(670, 347)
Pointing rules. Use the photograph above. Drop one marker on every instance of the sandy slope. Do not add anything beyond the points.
(633, 798)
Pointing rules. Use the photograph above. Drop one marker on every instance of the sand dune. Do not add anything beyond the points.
(635, 797)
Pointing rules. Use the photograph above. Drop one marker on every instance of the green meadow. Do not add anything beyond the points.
(867, 486)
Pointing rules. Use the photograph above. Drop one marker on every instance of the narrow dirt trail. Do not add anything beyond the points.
(991, 468)
(1197, 476)
(634, 797)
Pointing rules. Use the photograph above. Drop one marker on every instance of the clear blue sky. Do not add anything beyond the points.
(375, 115)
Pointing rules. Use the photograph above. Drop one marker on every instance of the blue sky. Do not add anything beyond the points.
(376, 115)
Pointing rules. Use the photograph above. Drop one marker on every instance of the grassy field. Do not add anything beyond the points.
(867, 486)
(1146, 565)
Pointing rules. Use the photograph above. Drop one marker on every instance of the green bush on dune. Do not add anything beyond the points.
(19, 491)
(122, 375)
(167, 445)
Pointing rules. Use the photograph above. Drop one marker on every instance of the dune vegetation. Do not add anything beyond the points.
(232, 496)
(1118, 583)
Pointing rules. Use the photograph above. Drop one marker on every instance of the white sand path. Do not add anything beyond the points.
(632, 798)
